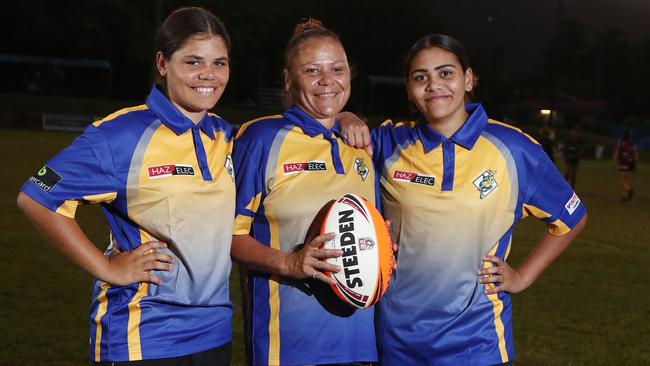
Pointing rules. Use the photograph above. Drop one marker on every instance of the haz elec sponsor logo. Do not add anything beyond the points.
(414, 178)
(572, 203)
(308, 166)
(168, 170)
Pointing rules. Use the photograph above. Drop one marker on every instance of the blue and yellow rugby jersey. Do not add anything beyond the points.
(157, 176)
(450, 202)
(287, 167)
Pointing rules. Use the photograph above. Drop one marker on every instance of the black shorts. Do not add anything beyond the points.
(626, 167)
(219, 356)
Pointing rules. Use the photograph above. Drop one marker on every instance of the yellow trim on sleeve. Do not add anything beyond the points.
(497, 306)
(119, 113)
(68, 208)
(102, 197)
(242, 225)
(133, 327)
(556, 228)
(101, 311)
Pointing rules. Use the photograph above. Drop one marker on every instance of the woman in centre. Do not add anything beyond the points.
(287, 167)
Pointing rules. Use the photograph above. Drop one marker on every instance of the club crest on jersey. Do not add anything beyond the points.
(361, 168)
(228, 166)
(307, 166)
(403, 176)
(486, 183)
(168, 170)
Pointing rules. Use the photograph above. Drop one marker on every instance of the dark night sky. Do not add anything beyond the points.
(508, 40)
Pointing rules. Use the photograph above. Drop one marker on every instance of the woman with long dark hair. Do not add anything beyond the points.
(454, 183)
(162, 172)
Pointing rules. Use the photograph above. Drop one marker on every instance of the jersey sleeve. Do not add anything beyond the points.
(81, 173)
(380, 140)
(248, 159)
(551, 198)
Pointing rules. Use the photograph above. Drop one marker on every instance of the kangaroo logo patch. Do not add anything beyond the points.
(361, 168)
(486, 183)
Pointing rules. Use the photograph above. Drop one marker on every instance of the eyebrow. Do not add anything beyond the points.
(323, 62)
(195, 57)
(436, 68)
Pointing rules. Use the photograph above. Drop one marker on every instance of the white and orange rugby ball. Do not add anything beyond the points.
(367, 260)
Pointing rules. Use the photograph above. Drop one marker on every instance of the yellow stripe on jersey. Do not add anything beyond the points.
(102, 197)
(245, 125)
(119, 113)
(101, 311)
(497, 309)
(133, 327)
(68, 208)
(254, 204)
(274, 298)
(513, 128)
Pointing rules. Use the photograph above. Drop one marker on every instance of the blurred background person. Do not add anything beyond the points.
(572, 152)
(547, 140)
(626, 157)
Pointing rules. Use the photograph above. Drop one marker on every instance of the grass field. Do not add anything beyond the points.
(592, 307)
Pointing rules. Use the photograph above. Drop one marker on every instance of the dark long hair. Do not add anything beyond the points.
(182, 24)
(446, 43)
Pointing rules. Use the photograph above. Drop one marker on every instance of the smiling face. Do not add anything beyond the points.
(437, 85)
(196, 74)
(318, 79)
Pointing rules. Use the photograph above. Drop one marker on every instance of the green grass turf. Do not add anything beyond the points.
(591, 307)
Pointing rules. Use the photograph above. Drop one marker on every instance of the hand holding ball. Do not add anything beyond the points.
(367, 260)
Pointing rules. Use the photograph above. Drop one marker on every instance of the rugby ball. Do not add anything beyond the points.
(367, 260)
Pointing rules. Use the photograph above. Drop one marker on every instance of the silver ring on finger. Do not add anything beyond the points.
(314, 274)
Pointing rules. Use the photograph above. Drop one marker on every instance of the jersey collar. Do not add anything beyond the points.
(171, 117)
(466, 135)
(308, 124)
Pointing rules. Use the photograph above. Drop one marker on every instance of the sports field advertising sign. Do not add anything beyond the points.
(63, 122)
